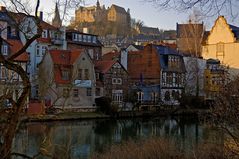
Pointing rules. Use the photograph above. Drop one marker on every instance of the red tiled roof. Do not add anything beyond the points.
(63, 60)
(111, 56)
(44, 40)
(47, 26)
(64, 57)
(104, 66)
(15, 46)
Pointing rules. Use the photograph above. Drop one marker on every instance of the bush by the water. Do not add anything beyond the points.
(192, 102)
(104, 105)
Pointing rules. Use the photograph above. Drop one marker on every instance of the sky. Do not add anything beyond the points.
(149, 14)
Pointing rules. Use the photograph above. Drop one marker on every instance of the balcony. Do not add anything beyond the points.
(57, 41)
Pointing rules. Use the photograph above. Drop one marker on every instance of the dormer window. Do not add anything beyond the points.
(79, 37)
(94, 39)
(84, 38)
(89, 39)
(65, 75)
(5, 50)
(44, 34)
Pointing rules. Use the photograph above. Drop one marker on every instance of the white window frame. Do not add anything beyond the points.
(43, 50)
(4, 49)
(80, 37)
(44, 34)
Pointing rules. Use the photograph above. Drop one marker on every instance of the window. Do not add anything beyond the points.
(5, 50)
(75, 93)
(79, 74)
(79, 37)
(140, 96)
(97, 76)
(89, 39)
(117, 81)
(14, 76)
(38, 50)
(44, 49)
(84, 38)
(65, 92)
(220, 47)
(3, 72)
(88, 92)
(94, 39)
(65, 75)
(44, 34)
(153, 97)
(75, 37)
(117, 97)
(86, 74)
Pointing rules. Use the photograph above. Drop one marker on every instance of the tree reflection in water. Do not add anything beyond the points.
(80, 139)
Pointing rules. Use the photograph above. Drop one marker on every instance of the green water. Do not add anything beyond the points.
(80, 139)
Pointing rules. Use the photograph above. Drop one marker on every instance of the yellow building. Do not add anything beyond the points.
(222, 44)
(214, 75)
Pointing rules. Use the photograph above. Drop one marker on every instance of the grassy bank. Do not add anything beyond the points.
(157, 148)
(99, 115)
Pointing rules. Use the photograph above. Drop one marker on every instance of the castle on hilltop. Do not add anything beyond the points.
(114, 19)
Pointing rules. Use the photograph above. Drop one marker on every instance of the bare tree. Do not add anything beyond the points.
(13, 117)
(208, 7)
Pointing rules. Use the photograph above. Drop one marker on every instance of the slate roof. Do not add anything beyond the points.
(119, 9)
(149, 31)
(235, 30)
(164, 53)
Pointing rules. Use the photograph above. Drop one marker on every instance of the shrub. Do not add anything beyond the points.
(104, 105)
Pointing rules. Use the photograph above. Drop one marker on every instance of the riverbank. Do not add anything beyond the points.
(123, 114)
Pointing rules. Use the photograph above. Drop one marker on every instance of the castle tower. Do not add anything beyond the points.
(56, 21)
(97, 4)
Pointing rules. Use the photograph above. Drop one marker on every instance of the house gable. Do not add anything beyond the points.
(221, 32)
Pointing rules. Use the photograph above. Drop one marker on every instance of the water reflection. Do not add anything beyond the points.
(79, 139)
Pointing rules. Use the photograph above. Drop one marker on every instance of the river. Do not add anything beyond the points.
(80, 139)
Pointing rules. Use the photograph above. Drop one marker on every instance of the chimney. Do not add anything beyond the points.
(2, 8)
(40, 15)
